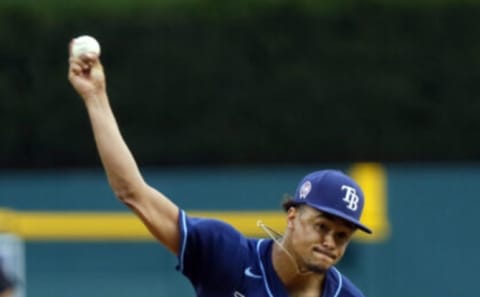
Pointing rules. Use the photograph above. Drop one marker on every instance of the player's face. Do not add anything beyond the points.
(319, 240)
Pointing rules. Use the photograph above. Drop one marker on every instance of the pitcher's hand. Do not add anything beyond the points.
(86, 75)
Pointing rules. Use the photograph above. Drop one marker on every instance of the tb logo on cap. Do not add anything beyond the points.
(351, 197)
(305, 189)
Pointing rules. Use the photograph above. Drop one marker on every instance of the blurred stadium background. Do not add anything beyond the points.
(226, 105)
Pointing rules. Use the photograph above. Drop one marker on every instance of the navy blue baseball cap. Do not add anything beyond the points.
(333, 192)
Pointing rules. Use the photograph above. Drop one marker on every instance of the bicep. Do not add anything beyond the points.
(159, 214)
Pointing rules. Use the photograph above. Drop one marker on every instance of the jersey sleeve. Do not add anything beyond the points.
(212, 253)
(350, 289)
(343, 286)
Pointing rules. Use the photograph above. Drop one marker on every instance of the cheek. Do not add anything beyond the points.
(304, 239)
(341, 250)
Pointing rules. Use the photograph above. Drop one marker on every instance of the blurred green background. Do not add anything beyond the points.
(246, 82)
(245, 97)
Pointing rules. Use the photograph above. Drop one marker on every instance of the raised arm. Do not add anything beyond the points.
(156, 211)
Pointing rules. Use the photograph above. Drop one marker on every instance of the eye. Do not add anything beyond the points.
(321, 227)
(341, 236)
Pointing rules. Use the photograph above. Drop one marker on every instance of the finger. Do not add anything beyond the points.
(88, 61)
(91, 59)
(76, 69)
(82, 63)
(91, 56)
(88, 57)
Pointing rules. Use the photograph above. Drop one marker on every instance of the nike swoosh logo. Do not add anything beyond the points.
(248, 272)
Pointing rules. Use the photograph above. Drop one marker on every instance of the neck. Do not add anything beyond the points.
(296, 282)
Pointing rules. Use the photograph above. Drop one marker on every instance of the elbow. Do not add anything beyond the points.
(127, 193)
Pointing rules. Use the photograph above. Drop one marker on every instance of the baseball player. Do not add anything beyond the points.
(321, 218)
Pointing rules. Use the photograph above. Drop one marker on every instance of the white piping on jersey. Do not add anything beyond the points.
(184, 243)
(339, 275)
(271, 233)
(263, 269)
(248, 272)
(340, 282)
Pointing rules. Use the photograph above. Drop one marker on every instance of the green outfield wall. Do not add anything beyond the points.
(273, 82)
(429, 210)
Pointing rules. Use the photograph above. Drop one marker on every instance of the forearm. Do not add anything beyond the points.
(120, 166)
(157, 212)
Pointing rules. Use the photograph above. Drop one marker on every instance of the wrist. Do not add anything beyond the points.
(96, 100)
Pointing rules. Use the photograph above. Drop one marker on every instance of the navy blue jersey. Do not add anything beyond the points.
(221, 262)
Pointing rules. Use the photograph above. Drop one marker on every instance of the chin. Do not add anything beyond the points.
(318, 268)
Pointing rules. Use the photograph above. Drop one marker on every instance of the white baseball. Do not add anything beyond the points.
(85, 44)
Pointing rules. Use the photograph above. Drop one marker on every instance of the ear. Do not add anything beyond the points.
(291, 215)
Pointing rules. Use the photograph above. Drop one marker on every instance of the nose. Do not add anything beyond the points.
(328, 241)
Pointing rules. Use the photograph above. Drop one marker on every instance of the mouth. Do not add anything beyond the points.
(324, 253)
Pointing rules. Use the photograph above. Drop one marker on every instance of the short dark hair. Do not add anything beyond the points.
(288, 202)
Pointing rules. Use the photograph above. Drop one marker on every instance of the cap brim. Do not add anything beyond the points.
(341, 215)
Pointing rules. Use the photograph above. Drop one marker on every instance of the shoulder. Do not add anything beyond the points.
(207, 229)
(203, 238)
(345, 286)
(213, 253)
